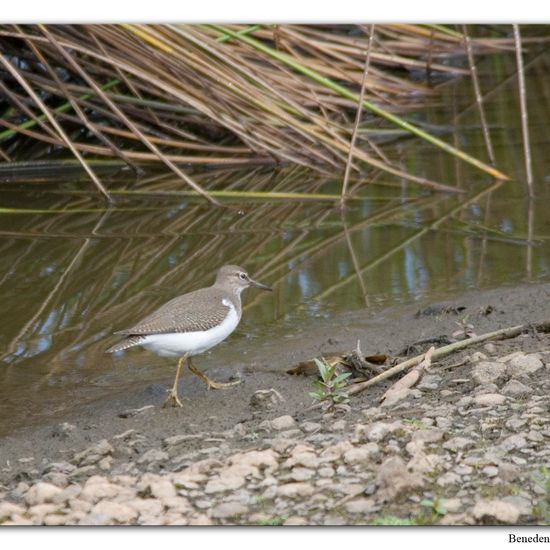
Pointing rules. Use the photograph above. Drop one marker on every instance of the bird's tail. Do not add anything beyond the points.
(128, 342)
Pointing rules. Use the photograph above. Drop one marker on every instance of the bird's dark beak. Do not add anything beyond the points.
(258, 285)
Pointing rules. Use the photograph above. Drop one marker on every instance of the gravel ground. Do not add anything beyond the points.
(468, 444)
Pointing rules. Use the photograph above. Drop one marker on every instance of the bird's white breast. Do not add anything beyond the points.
(178, 343)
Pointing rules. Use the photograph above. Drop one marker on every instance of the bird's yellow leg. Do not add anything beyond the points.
(210, 383)
(173, 398)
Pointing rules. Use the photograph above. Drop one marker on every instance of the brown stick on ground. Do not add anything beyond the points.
(501, 334)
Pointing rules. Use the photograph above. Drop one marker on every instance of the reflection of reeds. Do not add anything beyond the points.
(203, 94)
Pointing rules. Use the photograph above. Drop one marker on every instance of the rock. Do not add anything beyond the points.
(458, 444)
(489, 399)
(396, 396)
(339, 426)
(310, 427)
(153, 456)
(264, 460)
(515, 388)
(361, 455)
(93, 454)
(490, 348)
(295, 490)
(334, 452)
(41, 493)
(109, 513)
(285, 422)
(228, 510)
(8, 509)
(394, 479)
(490, 471)
(98, 487)
(508, 472)
(524, 365)
(449, 478)
(162, 489)
(496, 511)
(516, 441)
(433, 435)
(266, 399)
(488, 372)
(377, 431)
(429, 382)
(361, 506)
(301, 474)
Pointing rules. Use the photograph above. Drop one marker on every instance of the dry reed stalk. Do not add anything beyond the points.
(523, 108)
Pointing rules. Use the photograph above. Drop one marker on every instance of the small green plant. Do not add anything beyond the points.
(277, 520)
(330, 389)
(433, 510)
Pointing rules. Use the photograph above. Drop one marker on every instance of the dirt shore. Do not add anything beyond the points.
(467, 445)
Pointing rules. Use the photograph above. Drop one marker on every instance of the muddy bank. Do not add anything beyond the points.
(467, 445)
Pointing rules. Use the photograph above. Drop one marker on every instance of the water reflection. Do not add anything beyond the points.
(69, 279)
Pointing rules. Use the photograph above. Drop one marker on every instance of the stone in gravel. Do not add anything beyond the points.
(524, 365)
(334, 452)
(98, 487)
(508, 472)
(183, 438)
(489, 399)
(515, 388)
(428, 435)
(228, 482)
(490, 348)
(326, 471)
(108, 513)
(162, 489)
(449, 478)
(395, 397)
(153, 456)
(377, 431)
(39, 511)
(93, 454)
(228, 510)
(429, 382)
(338, 426)
(266, 399)
(516, 441)
(295, 490)
(488, 372)
(363, 454)
(9, 509)
(514, 423)
(41, 493)
(264, 460)
(496, 511)
(458, 444)
(310, 427)
(394, 479)
(285, 422)
(361, 506)
(301, 474)
(490, 471)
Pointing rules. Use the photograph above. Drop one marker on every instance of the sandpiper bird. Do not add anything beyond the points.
(192, 324)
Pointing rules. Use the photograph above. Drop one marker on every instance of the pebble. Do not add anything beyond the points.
(487, 372)
(285, 422)
(496, 511)
(524, 365)
(489, 399)
(228, 510)
(458, 444)
(515, 388)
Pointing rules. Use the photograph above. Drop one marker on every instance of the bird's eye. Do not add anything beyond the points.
(242, 275)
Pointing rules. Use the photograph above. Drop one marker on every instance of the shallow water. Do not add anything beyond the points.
(69, 279)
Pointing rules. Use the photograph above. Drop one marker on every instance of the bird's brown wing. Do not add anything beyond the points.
(191, 312)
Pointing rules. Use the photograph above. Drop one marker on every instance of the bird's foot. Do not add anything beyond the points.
(172, 400)
(221, 385)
